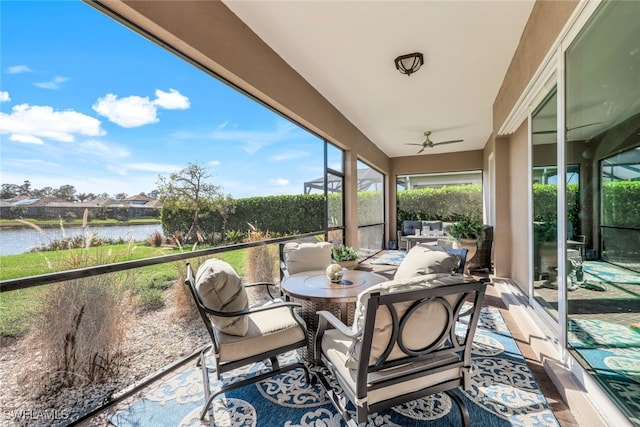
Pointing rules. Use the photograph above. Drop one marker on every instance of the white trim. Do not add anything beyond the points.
(530, 288)
(574, 24)
(561, 136)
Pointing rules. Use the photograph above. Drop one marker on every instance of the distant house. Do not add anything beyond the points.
(51, 208)
(138, 200)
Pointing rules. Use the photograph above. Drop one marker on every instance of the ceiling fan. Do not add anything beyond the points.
(428, 143)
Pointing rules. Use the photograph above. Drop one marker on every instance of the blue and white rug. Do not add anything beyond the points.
(392, 257)
(613, 353)
(611, 273)
(503, 393)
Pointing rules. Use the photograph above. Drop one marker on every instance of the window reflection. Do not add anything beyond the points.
(370, 209)
(603, 137)
(545, 204)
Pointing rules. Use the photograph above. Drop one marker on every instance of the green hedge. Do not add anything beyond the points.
(278, 214)
(304, 213)
(449, 203)
(621, 204)
(620, 207)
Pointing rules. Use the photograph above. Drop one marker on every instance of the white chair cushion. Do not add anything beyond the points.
(267, 330)
(299, 257)
(423, 327)
(422, 260)
(220, 288)
(334, 345)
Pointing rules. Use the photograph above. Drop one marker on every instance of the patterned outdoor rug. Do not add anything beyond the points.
(503, 393)
(611, 273)
(390, 258)
(613, 352)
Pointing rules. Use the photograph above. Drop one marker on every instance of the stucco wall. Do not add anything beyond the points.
(543, 27)
(511, 249)
(519, 206)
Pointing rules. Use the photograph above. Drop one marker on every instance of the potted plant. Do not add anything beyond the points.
(545, 235)
(468, 233)
(346, 256)
(467, 229)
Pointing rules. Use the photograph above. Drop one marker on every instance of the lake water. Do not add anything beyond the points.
(17, 241)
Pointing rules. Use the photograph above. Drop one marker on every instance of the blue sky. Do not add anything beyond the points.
(88, 102)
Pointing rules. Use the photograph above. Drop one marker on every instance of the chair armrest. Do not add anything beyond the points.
(327, 318)
(267, 285)
(253, 309)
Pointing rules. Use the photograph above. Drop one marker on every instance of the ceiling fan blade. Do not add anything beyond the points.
(543, 132)
(411, 143)
(448, 142)
(421, 150)
(584, 126)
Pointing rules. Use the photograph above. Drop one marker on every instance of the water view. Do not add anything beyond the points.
(18, 241)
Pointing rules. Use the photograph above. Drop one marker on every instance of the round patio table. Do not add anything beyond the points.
(315, 292)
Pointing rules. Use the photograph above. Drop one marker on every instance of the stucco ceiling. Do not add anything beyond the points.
(346, 50)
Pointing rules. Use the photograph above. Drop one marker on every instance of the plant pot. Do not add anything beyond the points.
(471, 245)
(349, 265)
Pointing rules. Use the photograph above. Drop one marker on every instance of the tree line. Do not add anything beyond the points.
(64, 192)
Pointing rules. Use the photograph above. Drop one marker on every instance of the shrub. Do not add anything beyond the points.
(155, 239)
(234, 236)
(79, 331)
(70, 216)
(262, 263)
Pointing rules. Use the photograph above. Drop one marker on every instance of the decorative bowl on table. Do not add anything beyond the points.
(334, 273)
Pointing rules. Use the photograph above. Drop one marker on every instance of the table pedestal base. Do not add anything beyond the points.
(343, 311)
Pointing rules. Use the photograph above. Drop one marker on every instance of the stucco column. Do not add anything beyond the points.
(351, 198)
(502, 228)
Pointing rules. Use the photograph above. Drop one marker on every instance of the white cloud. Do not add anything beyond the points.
(129, 112)
(4, 96)
(33, 123)
(172, 100)
(134, 111)
(252, 141)
(103, 150)
(153, 167)
(279, 181)
(18, 69)
(38, 163)
(26, 139)
(289, 155)
(214, 163)
(52, 84)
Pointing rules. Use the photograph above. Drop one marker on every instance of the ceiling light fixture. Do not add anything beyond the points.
(409, 64)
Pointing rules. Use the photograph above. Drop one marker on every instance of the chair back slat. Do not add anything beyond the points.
(446, 340)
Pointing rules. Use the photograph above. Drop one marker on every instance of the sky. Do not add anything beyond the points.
(87, 102)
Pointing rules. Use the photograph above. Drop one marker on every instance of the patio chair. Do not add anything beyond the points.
(388, 357)
(298, 257)
(241, 335)
(408, 229)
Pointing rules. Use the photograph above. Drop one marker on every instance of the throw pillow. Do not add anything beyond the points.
(429, 314)
(422, 260)
(220, 289)
(299, 257)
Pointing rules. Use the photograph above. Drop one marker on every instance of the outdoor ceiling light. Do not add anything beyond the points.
(409, 64)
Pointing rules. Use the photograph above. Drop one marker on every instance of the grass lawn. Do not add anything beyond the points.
(17, 307)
